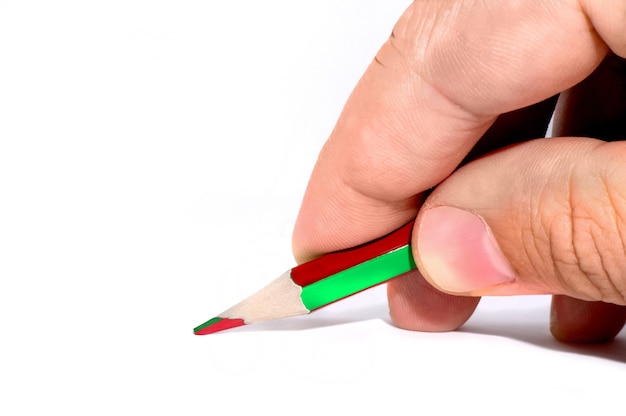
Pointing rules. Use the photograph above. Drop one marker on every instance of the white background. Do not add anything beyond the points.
(153, 155)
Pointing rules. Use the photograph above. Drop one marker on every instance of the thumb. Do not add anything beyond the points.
(545, 216)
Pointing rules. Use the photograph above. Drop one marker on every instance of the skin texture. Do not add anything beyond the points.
(448, 114)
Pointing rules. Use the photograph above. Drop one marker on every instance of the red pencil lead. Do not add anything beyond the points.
(217, 324)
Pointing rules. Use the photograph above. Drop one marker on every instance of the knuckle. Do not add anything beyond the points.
(608, 20)
(587, 244)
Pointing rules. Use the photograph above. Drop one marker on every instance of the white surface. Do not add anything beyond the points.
(152, 159)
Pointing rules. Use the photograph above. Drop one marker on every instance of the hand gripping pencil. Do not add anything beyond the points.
(320, 282)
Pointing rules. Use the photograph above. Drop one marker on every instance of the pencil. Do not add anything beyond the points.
(320, 282)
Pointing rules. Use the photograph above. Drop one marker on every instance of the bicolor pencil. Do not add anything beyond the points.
(320, 282)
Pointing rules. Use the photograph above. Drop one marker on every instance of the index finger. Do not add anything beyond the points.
(447, 71)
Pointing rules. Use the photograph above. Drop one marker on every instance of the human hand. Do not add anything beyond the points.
(458, 79)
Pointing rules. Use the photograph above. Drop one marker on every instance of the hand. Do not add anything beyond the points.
(455, 100)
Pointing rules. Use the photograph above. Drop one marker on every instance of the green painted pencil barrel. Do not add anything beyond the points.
(357, 278)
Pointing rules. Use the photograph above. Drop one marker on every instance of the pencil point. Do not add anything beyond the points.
(217, 324)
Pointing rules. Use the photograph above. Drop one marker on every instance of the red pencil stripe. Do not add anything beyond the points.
(329, 264)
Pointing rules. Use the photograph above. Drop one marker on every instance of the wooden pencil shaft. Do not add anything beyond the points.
(322, 281)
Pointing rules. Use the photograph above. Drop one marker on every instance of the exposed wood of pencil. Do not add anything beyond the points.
(279, 299)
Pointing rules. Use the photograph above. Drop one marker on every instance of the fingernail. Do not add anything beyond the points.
(458, 253)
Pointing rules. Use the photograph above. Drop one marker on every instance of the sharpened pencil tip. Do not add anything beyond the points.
(217, 324)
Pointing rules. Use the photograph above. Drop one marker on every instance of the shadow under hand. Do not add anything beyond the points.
(329, 316)
(520, 320)
(531, 325)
